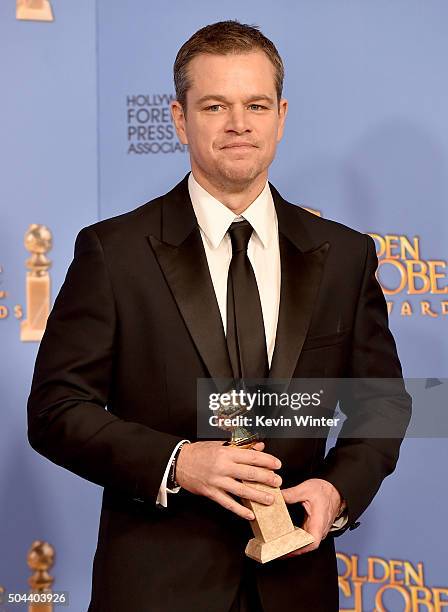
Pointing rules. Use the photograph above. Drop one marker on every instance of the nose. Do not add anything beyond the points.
(238, 120)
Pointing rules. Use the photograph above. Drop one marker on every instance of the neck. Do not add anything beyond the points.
(236, 197)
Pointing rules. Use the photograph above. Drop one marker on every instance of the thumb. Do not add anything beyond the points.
(296, 494)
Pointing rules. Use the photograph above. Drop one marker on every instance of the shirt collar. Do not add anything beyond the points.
(214, 218)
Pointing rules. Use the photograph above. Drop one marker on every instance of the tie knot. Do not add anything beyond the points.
(240, 233)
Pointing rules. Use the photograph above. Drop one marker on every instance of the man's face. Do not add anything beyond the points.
(233, 120)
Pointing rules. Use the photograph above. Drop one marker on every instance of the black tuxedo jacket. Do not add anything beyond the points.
(135, 324)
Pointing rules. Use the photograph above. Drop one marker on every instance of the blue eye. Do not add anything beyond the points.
(256, 106)
(214, 107)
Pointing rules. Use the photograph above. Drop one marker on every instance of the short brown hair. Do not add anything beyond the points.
(223, 38)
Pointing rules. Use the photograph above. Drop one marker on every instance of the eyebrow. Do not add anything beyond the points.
(220, 98)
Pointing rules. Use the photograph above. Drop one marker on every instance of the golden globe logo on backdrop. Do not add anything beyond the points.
(389, 584)
(402, 271)
(38, 241)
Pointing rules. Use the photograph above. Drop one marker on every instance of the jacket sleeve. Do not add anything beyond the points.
(67, 417)
(375, 403)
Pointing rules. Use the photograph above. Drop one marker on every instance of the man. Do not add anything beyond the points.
(154, 300)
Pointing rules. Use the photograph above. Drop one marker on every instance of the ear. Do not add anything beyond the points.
(179, 120)
(282, 112)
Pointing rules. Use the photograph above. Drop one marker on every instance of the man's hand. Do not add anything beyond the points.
(322, 503)
(216, 471)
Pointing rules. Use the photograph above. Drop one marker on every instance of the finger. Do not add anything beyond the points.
(227, 502)
(247, 492)
(315, 525)
(253, 457)
(256, 474)
(296, 494)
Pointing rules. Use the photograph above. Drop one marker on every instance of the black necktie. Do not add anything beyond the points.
(245, 329)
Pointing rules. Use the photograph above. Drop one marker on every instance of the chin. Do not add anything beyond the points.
(240, 175)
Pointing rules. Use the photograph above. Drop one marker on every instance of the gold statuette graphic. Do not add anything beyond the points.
(274, 531)
(40, 559)
(34, 10)
(38, 241)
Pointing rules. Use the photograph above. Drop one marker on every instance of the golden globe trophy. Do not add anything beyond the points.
(275, 534)
(34, 10)
(40, 559)
(38, 241)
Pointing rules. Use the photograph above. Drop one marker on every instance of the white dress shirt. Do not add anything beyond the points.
(214, 220)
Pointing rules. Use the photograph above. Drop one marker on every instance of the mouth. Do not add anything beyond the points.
(239, 146)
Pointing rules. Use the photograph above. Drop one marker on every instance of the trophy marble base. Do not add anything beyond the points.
(42, 12)
(267, 551)
(275, 534)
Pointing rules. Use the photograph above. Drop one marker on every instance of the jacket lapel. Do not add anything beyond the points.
(302, 264)
(181, 257)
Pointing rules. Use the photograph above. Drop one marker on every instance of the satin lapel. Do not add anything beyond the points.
(302, 265)
(186, 271)
(300, 279)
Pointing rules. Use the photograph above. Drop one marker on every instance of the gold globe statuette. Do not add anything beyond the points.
(40, 559)
(38, 241)
(274, 531)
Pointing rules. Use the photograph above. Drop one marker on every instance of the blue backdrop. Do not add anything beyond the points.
(366, 144)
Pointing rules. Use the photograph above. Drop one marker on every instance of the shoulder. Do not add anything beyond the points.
(318, 230)
(132, 227)
(326, 228)
(142, 220)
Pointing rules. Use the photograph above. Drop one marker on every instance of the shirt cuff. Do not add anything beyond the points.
(340, 522)
(162, 497)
